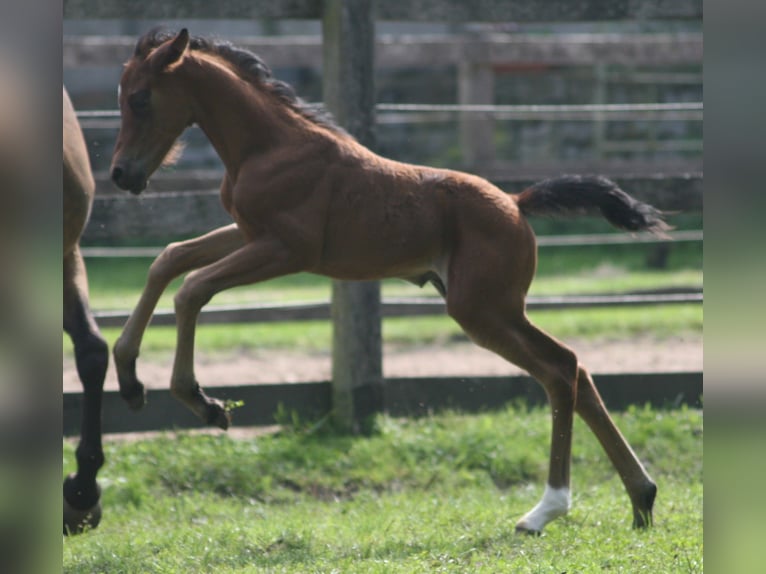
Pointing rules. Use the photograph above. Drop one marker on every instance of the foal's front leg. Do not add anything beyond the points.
(256, 261)
(175, 259)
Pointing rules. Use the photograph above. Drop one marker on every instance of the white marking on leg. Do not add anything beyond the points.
(554, 503)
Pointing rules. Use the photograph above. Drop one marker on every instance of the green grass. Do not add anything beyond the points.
(439, 494)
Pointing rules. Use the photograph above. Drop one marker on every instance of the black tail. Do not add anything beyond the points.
(575, 194)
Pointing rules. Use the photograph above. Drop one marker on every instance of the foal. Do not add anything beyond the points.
(305, 196)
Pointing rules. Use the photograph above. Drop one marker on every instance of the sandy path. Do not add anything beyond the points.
(452, 359)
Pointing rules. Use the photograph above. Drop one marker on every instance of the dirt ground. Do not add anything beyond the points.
(642, 354)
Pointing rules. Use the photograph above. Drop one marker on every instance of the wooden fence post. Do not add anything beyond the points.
(476, 85)
(348, 29)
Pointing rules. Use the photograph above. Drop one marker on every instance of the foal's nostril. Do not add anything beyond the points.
(117, 174)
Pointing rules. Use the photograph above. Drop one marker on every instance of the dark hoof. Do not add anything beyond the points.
(643, 506)
(642, 519)
(80, 515)
(217, 415)
(135, 396)
(77, 521)
(522, 530)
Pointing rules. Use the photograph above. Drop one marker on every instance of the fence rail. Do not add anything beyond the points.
(400, 307)
(542, 241)
(430, 50)
(397, 10)
(430, 113)
(402, 397)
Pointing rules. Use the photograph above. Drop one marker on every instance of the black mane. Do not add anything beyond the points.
(250, 67)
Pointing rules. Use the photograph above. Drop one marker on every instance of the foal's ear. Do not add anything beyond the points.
(171, 53)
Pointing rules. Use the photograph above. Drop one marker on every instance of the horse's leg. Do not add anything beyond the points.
(492, 313)
(508, 333)
(256, 261)
(486, 296)
(82, 505)
(175, 259)
(641, 488)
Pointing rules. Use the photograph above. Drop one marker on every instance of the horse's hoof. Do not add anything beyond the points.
(217, 415)
(642, 519)
(77, 520)
(642, 507)
(82, 505)
(135, 396)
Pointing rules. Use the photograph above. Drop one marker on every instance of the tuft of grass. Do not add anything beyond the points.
(437, 494)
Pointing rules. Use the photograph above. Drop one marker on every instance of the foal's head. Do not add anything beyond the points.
(155, 110)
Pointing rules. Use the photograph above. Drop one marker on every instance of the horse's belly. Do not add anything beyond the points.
(370, 252)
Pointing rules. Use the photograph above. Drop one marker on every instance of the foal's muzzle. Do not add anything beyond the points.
(128, 179)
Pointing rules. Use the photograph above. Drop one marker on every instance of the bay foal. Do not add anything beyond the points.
(306, 197)
(82, 505)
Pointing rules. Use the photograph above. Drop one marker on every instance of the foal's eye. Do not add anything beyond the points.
(139, 102)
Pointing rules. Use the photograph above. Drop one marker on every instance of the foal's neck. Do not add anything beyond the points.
(239, 118)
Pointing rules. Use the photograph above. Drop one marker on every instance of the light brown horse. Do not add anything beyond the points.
(82, 495)
(305, 196)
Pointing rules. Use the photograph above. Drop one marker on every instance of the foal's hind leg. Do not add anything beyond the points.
(82, 507)
(175, 259)
(494, 318)
(555, 367)
(569, 387)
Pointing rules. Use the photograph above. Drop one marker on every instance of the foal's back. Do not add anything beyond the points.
(401, 218)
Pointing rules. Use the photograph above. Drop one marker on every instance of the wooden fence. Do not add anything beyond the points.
(404, 307)
(357, 376)
(432, 50)
(671, 185)
(401, 397)
(396, 10)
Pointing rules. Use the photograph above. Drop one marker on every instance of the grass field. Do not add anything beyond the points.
(439, 494)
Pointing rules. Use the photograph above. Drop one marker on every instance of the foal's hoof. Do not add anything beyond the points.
(642, 507)
(217, 415)
(135, 396)
(132, 390)
(76, 520)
